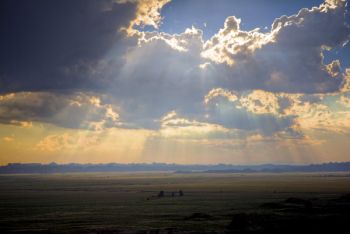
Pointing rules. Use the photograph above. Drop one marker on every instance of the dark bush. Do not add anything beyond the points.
(181, 193)
(161, 193)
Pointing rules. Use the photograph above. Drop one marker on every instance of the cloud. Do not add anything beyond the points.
(333, 68)
(8, 139)
(76, 110)
(84, 71)
(22, 124)
(260, 102)
(344, 101)
(147, 13)
(252, 111)
(176, 127)
(346, 83)
(289, 58)
(169, 79)
(219, 92)
(157, 77)
(95, 54)
(281, 114)
(56, 142)
(53, 39)
(230, 41)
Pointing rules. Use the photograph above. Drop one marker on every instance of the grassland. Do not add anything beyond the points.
(128, 202)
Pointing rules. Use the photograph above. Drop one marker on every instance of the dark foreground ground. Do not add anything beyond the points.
(212, 203)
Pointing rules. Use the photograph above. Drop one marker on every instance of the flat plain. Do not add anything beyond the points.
(211, 202)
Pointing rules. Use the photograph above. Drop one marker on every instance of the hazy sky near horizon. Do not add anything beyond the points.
(176, 81)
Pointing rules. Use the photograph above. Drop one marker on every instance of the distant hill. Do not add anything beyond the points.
(18, 168)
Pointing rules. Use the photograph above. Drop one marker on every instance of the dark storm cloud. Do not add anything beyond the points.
(58, 49)
(68, 110)
(49, 45)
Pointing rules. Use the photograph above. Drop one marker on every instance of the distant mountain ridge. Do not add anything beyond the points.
(30, 168)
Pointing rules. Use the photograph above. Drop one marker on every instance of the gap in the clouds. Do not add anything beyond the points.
(210, 15)
(341, 53)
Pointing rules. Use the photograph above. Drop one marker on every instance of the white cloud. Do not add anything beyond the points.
(346, 82)
(289, 58)
(147, 13)
(260, 102)
(219, 92)
(333, 68)
(230, 41)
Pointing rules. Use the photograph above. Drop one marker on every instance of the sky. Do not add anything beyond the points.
(174, 81)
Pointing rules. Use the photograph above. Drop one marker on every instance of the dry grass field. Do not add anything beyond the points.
(211, 203)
